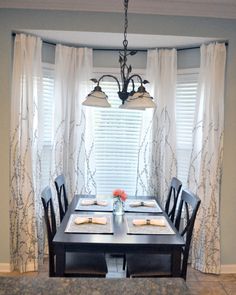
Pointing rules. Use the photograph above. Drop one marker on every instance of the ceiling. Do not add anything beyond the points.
(209, 8)
(206, 8)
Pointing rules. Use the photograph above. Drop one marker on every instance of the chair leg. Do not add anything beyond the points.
(127, 273)
(51, 264)
(124, 261)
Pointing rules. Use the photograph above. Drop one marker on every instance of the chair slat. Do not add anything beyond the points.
(61, 195)
(172, 198)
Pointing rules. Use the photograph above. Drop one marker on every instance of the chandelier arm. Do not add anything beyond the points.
(133, 76)
(111, 76)
(132, 84)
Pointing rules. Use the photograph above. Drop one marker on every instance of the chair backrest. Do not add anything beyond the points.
(172, 198)
(50, 220)
(61, 195)
(185, 219)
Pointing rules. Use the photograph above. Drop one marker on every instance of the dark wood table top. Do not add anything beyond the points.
(119, 241)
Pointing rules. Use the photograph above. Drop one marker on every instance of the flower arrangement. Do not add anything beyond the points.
(121, 194)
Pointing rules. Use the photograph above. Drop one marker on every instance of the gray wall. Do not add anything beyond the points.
(11, 20)
(187, 58)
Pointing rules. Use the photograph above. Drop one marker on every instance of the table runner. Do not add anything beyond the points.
(148, 229)
(89, 228)
(143, 209)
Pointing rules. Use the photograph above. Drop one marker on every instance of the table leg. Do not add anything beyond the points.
(60, 261)
(176, 262)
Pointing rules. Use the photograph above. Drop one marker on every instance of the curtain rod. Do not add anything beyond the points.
(119, 49)
(138, 50)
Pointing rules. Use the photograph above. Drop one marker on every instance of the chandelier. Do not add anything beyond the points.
(139, 99)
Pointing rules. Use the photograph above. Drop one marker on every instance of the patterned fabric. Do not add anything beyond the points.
(206, 159)
(72, 143)
(26, 236)
(155, 174)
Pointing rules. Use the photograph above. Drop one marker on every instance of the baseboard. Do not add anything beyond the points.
(5, 267)
(30, 267)
(228, 268)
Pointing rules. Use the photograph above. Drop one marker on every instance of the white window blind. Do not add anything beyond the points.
(47, 117)
(186, 94)
(117, 134)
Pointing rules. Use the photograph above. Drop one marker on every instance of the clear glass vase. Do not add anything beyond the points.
(118, 207)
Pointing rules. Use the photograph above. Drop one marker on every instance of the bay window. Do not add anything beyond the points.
(117, 133)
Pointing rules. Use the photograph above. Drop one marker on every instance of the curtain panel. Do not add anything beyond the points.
(72, 152)
(161, 164)
(206, 158)
(26, 235)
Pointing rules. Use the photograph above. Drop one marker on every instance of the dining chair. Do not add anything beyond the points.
(77, 264)
(61, 195)
(159, 265)
(172, 198)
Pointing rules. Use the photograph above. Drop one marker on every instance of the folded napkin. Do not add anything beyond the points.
(157, 222)
(96, 220)
(141, 203)
(89, 202)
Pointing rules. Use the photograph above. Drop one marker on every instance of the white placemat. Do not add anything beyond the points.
(89, 228)
(108, 208)
(148, 229)
(144, 209)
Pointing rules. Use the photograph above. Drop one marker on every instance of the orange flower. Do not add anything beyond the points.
(119, 193)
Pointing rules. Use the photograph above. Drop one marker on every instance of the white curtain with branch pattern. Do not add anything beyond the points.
(206, 159)
(158, 162)
(72, 135)
(26, 234)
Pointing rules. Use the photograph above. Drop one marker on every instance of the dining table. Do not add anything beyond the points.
(118, 235)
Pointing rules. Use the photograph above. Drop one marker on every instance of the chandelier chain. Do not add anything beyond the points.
(125, 42)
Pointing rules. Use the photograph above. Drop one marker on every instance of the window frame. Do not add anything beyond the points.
(48, 70)
(182, 173)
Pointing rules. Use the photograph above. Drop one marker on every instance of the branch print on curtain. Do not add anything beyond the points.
(162, 73)
(26, 224)
(72, 139)
(206, 159)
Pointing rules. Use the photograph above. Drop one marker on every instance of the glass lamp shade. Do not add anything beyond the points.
(140, 100)
(97, 98)
(124, 106)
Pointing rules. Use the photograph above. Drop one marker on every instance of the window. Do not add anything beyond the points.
(116, 139)
(117, 133)
(47, 115)
(186, 94)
